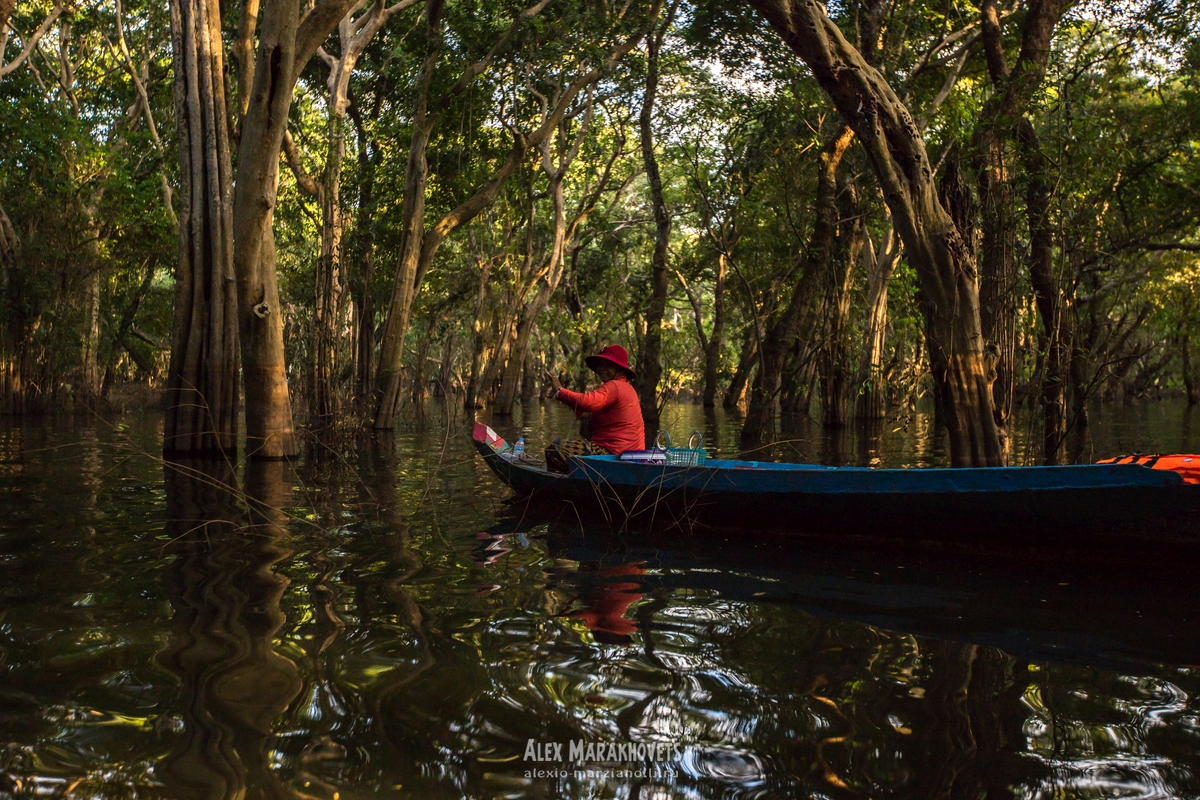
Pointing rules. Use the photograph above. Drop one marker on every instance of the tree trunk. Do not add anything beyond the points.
(716, 339)
(998, 269)
(1001, 119)
(201, 396)
(1052, 302)
(834, 360)
(529, 381)
(226, 288)
(737, 385)
(1191, 385)
(872, 398)
(506, 393)
(799, 381)
(329, 278)
(782, 336)
(120, 338)
(418, 384)
(510, 376)
(944, 265)
(363, 307)
(269, 430)
(412, 236)
(445, 378)
(478, 336)
(89, 388)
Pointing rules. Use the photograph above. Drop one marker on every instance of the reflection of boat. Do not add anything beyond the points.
(1098, 502)
(1120, 614)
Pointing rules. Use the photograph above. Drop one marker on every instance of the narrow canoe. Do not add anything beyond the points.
(1033, 505)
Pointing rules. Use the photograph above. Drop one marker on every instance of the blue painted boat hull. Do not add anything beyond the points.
(1089, 503)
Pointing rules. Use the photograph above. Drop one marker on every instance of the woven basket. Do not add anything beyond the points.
(693, 455)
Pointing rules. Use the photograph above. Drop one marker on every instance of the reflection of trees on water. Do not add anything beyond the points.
(356, 631)
(420, 656)
(226, 600)
(1109, 735)
(765, 698)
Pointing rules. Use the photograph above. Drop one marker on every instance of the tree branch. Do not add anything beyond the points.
(315, 26)
(1190, 248)
(31, 42)
(479, 66)
(306, 182)
(696, 309)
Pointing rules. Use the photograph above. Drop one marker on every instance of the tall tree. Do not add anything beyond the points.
(649, 366)
(781, 337)
(226, 287)
(1002, 121)
(564, 238)
(354, 34)
(945, 267)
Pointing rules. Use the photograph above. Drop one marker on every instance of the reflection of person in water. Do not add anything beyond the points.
(604, 608)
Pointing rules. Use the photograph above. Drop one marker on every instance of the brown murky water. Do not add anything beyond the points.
(376, 622)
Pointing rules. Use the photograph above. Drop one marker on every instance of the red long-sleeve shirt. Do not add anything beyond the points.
(616, 414)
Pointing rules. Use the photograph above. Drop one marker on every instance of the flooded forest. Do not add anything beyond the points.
(264, 263)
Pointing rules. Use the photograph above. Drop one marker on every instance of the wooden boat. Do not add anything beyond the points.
(1035, 505)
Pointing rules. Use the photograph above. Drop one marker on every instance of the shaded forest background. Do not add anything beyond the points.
(470, 194)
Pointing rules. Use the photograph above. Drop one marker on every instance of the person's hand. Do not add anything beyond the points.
(554, 380)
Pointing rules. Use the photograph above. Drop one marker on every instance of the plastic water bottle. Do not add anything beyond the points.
(519, 447)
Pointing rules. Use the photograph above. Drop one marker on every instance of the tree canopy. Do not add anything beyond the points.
(779, 206)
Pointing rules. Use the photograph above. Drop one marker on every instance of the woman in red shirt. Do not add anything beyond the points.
(616, 415)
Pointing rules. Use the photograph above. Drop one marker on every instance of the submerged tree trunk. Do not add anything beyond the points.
(1003, 120)
(269, 429)
(285, 44)
(872, 386)
(998, 271)
(11, 335)
(471, 401)
(201, 396)
(361, 276)
(89, 367)
(710, 345)
(944, 265)
(1053, 303)
(746, 360)
(1190, 383)
(529, 380)
(329, 279)
(716, 339)
(834, 359)
(354, 36)
(226, 289)
(89, 389)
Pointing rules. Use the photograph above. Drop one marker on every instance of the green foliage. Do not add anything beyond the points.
(739, 125)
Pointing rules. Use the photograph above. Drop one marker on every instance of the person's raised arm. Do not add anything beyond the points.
(592, 402)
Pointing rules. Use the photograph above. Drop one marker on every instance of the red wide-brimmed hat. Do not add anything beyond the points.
(615, 354)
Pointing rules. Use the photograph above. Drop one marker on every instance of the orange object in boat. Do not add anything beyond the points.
(1188, 466)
